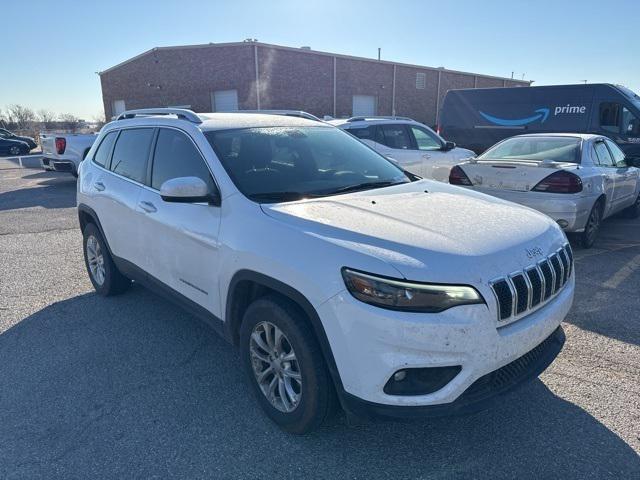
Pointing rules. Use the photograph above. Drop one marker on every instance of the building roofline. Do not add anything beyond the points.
(311, 52)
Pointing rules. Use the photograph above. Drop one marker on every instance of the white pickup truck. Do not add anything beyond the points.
(63, 152)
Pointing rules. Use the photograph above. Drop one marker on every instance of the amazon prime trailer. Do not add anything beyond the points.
(479, 118)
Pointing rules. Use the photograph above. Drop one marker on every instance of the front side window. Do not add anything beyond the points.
(602, 154)
(425, 140)
(131, 153)
(272, 164)
(555, 149)
(176, 156)
(395, 136)
(630, 123)
(101, 156)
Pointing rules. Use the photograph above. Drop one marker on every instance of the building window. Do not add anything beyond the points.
(117, 107)
(364, 106)
(421, 80)
(224, 101)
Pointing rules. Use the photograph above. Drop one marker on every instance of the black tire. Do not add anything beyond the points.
(588, 237)
(317, 394)
(111, 282)
(634, 210)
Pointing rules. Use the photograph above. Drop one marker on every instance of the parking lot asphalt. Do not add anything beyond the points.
(133, 387)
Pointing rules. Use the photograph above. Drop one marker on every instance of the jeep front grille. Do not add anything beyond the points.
(520, 292)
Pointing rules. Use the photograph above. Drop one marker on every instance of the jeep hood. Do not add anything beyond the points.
(428, 231)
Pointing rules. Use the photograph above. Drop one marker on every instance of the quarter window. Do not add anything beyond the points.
(131, 153)
(425, 140)
(101, 156)
(176, 156)
(602, 154)
(630, 123)
(395, 136)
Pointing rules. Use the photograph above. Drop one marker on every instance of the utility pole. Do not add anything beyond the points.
(379, 53)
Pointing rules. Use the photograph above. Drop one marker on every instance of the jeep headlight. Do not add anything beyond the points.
(407, 296)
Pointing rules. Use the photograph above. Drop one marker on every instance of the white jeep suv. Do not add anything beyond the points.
(340, 277)
(412, 145)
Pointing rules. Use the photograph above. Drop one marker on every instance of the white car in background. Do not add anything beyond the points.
(414, 146)
(63, 152)
(576, 179)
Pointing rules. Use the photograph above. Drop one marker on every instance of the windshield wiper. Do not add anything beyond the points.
(282, 196)
(364, 186)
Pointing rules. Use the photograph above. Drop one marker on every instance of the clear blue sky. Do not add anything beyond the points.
(52, 48)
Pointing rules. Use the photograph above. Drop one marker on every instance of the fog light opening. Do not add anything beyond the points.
(399, 375)
(563, 223)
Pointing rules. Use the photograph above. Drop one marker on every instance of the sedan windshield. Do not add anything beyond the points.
(279, 164)
(556, 149)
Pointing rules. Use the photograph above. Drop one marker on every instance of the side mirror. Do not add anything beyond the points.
(449, 146)
(188, 190)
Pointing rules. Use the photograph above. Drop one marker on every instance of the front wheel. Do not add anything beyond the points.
(285, 366)
(592, 227)
(14, 150)
(103, 273)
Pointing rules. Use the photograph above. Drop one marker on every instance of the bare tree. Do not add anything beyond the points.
(47, 118)
(68, 121)
(100, 120)
(21, 116)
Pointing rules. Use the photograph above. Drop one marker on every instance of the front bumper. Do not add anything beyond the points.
(370, 344)
(58, 165)
(570, 208)
(480, 395)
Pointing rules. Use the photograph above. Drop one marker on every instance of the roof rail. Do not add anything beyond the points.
(373, 117)
(287, 113)
(181, 113)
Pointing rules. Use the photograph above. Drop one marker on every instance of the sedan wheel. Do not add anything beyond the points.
(14, 150)
(592, 227)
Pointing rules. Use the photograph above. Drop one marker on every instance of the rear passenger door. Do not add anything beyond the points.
(609, 174)
(394, 140)
(116, 191)
(180, 239)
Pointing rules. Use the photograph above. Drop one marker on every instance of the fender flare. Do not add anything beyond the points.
(232, 325)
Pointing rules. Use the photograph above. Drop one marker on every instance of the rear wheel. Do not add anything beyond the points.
(592, 227)
(14, 150)
(103, 273)
(285, 366)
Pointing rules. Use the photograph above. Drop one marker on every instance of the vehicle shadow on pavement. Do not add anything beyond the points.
(131, 386)
(606, 297)
(51, 193)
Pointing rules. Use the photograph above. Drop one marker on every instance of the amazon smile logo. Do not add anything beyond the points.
(540, 114)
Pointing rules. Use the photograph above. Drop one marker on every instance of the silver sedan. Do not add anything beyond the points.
(577, 179)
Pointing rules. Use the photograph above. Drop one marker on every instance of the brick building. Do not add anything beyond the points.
(252, 75)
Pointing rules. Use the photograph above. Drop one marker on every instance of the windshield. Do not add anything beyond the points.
(273, 164)
(556, 149)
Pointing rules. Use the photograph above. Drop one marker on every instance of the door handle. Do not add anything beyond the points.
(426, 156)
(148, 207)
(99, 186)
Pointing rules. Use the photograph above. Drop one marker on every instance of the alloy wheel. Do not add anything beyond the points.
(275, 366)
(593, 224)
(95, 259)
(14, 150)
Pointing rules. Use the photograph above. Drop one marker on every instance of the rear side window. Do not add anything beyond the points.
(176, 156)
(610, 116)
(602, 154)
(101, 156)
(366, 133)
(131, 153)
(617, 154)
(395, 136)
